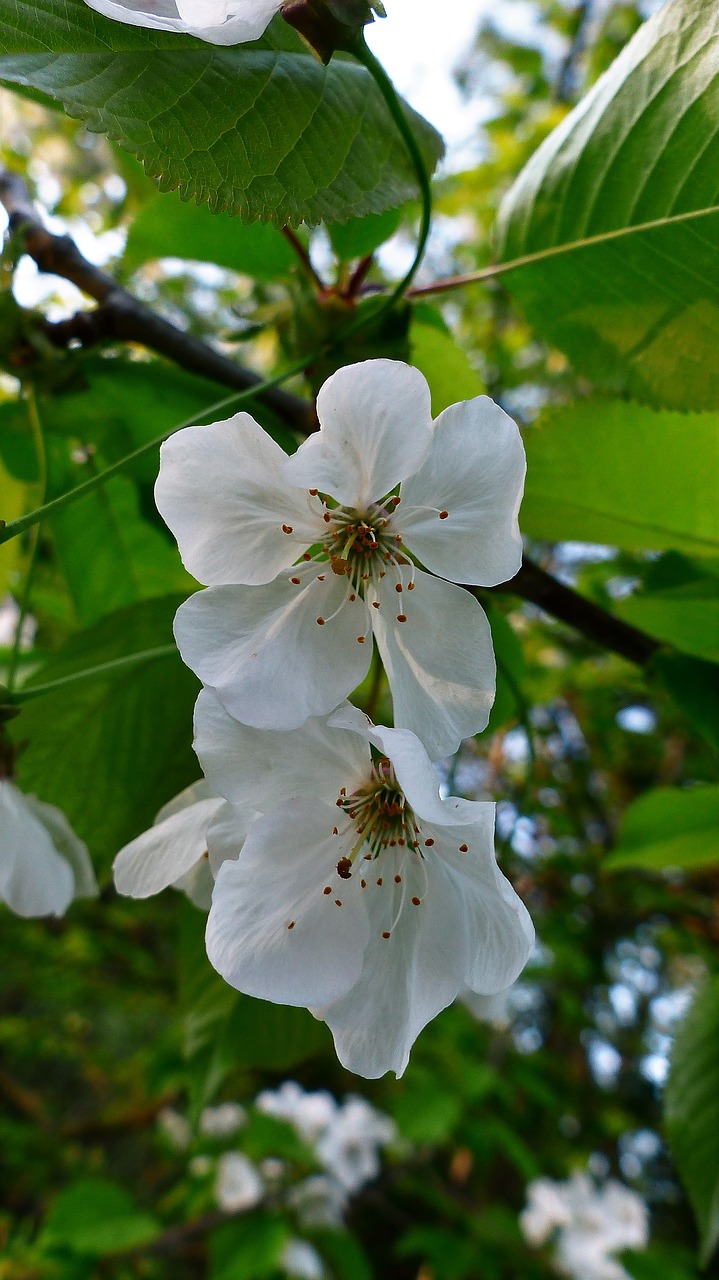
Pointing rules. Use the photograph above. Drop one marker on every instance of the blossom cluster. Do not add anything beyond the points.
(587, 1223)
(340, 879)
(344, 1141)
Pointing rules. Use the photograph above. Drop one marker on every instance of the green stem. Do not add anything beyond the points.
(16, 527)
(39, 439)
(116, 664)
(364, 54)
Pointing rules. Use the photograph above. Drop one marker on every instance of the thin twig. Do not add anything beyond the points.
(304, 258)
(121, 316)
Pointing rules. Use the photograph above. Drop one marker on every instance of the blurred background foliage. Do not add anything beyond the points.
(112, 1015)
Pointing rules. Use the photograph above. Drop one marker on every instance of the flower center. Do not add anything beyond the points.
(361, 545)
(380, 815)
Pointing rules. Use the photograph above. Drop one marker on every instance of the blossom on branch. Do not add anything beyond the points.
(216, 21)
(43, 864)
(306, 557)
(360, 894)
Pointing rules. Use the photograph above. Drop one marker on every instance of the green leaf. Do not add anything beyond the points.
(669, 827)
(249, 1249)
(359, 237)
(686, 616)
(273, 1036)
(167, 228)
(694, 686)
(692, 1112)
(511, 670)
(112, 749)
(447, 368)
(197, 114)
(94, 1217)
(620, 473)
(626, 189)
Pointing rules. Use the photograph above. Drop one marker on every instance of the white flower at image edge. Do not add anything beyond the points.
(174, 849)
(216, 21)
(366, 897)
(305, 558)
(591, 1223)
(239, 1185)
(43, 864)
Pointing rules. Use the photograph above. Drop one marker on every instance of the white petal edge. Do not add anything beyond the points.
(272, 931)
(234, 30)
(34, 879)
(68, 845)
(439, 663)
(161, 856)
(376, 429)
(262, 768)
(220, 490)
(474, 472)
(263, 651)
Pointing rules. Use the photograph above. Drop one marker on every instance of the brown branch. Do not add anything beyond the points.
(538, 587)
(121, 316)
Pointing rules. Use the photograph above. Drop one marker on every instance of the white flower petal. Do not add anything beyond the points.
(273, 665)
(226, 834)
(439, 663)
(221, 492)
(161, 856)
(34, 879)
(220, 22)
(497, 924)
(288, 860)
(68, 845)
(264, 767)
(407, 978)
(376, 429)
(197, 884)
(475, 472)
(417, 778)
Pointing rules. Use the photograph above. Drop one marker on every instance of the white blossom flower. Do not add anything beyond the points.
(349, 1147)
(318, 1201)
(310, 1113)
(216, 21)
(300, 1259)
(591, 1223)
(366, 897)
(174, 850)
(239, 1185)
(43, 864)
(305, 557)
(176, 1128)
(222, 1121)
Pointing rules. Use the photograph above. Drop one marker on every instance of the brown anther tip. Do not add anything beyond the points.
(320, 622)
(339, 803)
(291, 925)
(206, 854)
(375, 604)
(306, 555)
(398, 879)
(360, 639)
(327, 889)
(287, 528)
(398, 587)
(363, 884)
(313, 492)
(379, 882)
(296, 581)
(338, 902)
(411, 586)
(443, 515)
(386, 934)
(416, 901)
(352, 598)
(401, 842)
(327, 517)
(335, 831)
(343, 791)
(344, 868)
(429, 842)
(464, 848)
(401, 617)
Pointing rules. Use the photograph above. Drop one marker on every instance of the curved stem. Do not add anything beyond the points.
(364, 54)
(39, 439)
(115, 664)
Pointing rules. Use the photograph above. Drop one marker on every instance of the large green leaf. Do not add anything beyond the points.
(262, 130)
(686, 616)
(112, 749)
(627, 189)
(94, 1217)
(620, 473)
(669, 827)
(692, 1112)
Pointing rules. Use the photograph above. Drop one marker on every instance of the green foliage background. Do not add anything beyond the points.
(604, 345)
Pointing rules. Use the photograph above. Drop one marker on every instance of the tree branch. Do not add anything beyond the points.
(121, 316)
(536, 586)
